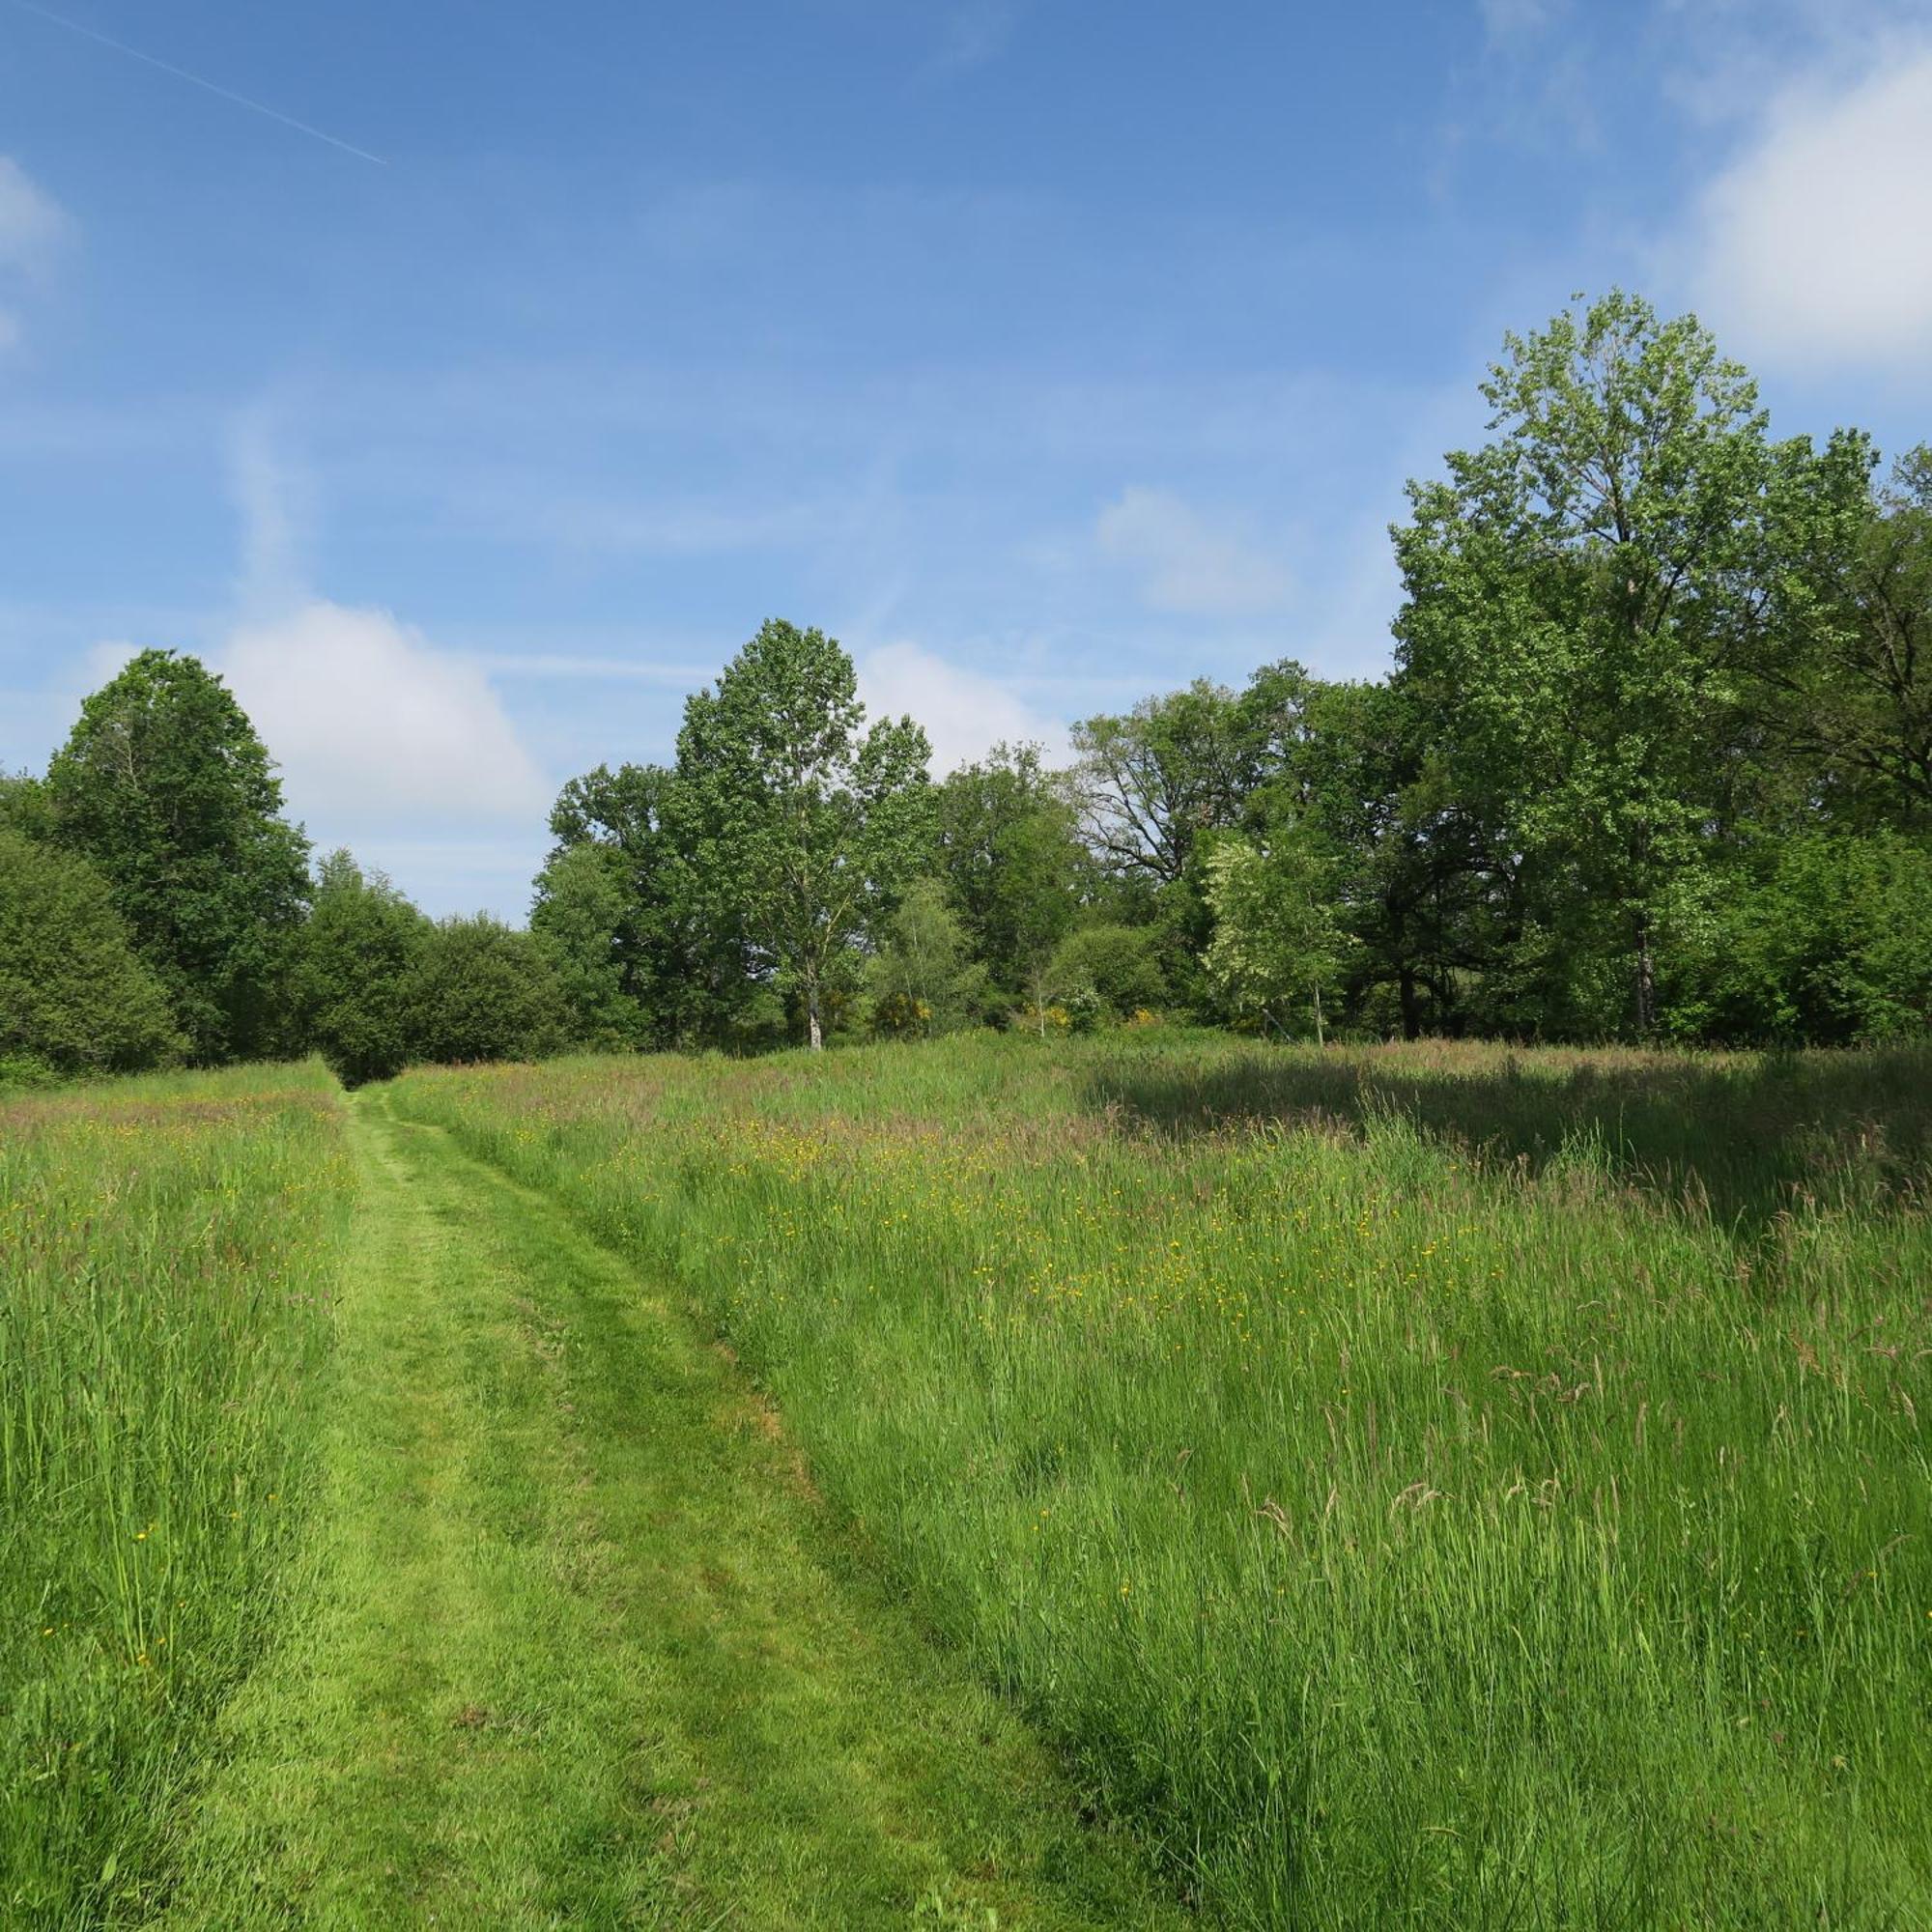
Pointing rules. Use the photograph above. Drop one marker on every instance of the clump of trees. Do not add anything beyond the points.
(157, 907)
(1654, 760)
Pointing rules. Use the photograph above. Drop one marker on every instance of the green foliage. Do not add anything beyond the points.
(1278, 941)
(164, 786)
(355, 969)
(1151, 781)
(74, 997)
(582, 919)
(1833, 944)
(1117, 966)
(1576, 588)
(1011, 860)
(477, 989)
(25, 806)
(1841, 670)
(921, 981)
(805, 827)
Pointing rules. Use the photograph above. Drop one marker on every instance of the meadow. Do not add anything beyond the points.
(1432, 1486)
(168, 1250)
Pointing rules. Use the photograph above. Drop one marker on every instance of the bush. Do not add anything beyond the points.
(74, 997)
(480, 990)
(353, 972)
(1120, 964)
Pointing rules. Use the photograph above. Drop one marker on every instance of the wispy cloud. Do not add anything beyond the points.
(30, 221)
(1186, 564)
(33, 226)
(965, 712)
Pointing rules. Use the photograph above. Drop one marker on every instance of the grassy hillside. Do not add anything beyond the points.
(167, 1255)
(1423, 1486)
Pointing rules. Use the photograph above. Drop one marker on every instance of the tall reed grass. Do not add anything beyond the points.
(1425, 1487)
(167, 1254)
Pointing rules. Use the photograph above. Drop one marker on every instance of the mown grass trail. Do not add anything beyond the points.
(581, 1651)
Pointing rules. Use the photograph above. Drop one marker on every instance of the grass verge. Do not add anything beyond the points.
(168, 1250)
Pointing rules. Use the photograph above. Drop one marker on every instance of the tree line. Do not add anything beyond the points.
(1654, 760)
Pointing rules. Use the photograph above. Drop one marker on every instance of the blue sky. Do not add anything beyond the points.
(1047, 353)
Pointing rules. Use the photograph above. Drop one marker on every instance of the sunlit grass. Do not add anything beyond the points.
(167, 1255)
(1431, 1487)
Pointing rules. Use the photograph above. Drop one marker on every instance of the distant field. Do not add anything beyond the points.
(1423, 1486)
(167, 1256)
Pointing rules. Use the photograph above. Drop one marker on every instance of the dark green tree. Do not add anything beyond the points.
(354, 970)
(1120, 965)
(1841, 675)
(166, 789)
(677, 939)
(481, 990)
(1010, 856)
(587, 918)
(75, 997)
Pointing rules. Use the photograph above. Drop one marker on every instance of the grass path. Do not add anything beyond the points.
(580, 1650)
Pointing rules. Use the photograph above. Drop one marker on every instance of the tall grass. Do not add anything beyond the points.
(168, 1251)
(1423, 1486)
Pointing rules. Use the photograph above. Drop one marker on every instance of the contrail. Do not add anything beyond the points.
(195, 80)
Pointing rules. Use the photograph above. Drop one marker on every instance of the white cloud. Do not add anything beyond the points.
(1184, 564)
(1811, 246)
(964, 712)
(372, 724)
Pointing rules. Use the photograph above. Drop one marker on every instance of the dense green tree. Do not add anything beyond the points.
(1842, 673)
(25, 806)
(586, 918)
(805, 827)
(679, 946)
(164, 786)
(1152, 780)
(1576, 592)
(355, 971)
(1823, 938)
(1010, 856)
(75, 997)
(479, 989)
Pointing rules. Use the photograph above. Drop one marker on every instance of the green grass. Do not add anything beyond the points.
(167, 1253)
(1426, 1487)
(580, 1651)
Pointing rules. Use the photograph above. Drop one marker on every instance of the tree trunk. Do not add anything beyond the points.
(1646, 980)
(813, 1030)
(1321, 1039)
(1411, 1007)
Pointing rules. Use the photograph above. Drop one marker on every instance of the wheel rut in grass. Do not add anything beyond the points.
(576, 1647)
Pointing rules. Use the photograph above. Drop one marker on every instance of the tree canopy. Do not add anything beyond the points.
(1653, 760)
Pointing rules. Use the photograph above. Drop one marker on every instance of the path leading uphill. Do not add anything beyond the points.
(580, 1650)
